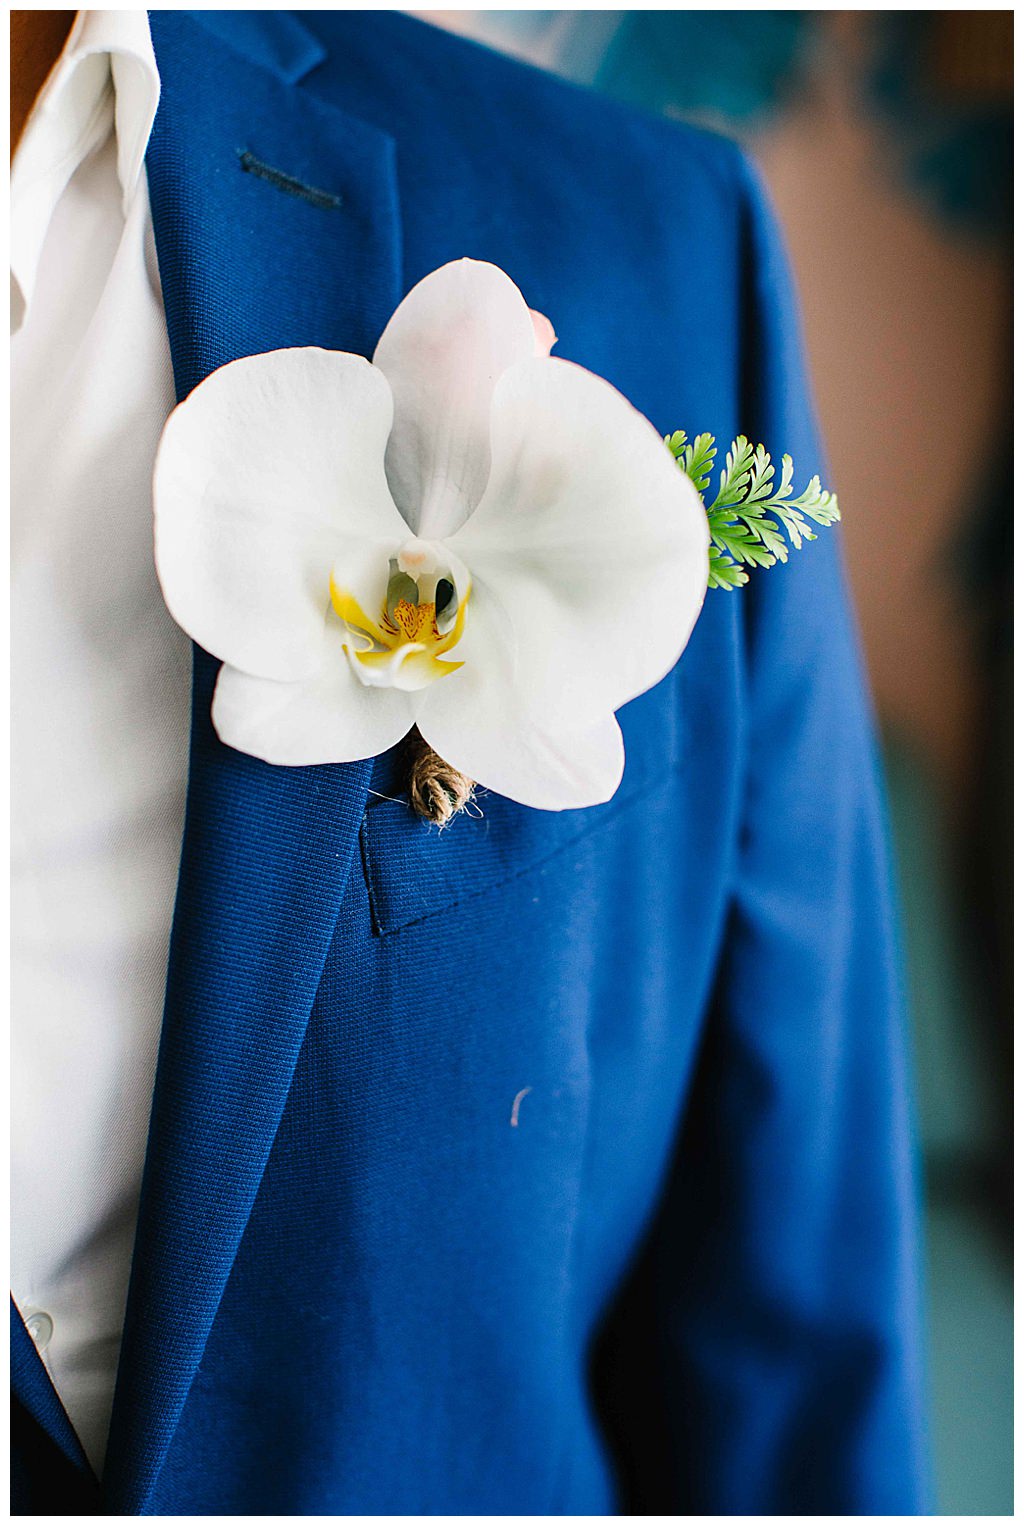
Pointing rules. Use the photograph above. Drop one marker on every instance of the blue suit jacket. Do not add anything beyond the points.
(684, 1280)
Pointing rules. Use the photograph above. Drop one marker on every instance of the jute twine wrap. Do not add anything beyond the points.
(438, 792)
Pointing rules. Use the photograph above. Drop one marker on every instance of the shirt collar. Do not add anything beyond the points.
(104, 80)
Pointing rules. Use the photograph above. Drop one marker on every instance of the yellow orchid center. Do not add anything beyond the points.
(421, 619)
(418, 622)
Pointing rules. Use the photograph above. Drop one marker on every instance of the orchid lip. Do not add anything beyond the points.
(421, 620)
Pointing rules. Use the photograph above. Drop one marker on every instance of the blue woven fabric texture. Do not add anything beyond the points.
(559, 1163)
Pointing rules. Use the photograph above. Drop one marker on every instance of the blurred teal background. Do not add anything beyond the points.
(886, 142)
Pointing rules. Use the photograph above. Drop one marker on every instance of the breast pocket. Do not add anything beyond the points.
(414, 870)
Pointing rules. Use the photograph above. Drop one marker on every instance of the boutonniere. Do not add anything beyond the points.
(466, 542)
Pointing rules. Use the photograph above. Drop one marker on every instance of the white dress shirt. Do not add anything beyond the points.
(100, 702)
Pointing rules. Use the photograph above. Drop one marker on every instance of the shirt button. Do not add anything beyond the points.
(40, 1326)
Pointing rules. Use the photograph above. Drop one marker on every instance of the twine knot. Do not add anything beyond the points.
(437, 791)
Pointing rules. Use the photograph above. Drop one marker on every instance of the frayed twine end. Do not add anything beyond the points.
(437, 791)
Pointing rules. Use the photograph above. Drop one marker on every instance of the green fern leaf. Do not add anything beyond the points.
(743, 531)
(723, 571)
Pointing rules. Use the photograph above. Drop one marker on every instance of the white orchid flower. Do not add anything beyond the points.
(466, 535)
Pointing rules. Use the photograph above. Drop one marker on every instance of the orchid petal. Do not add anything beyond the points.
(592, 538)
(544, 335)
(479, 723)
(329, 717)
(268, 474)
(443, 351)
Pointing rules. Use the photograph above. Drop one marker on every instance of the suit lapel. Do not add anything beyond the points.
(296, 244)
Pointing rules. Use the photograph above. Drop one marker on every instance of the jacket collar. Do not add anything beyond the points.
(274, 40)
(247, 264)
